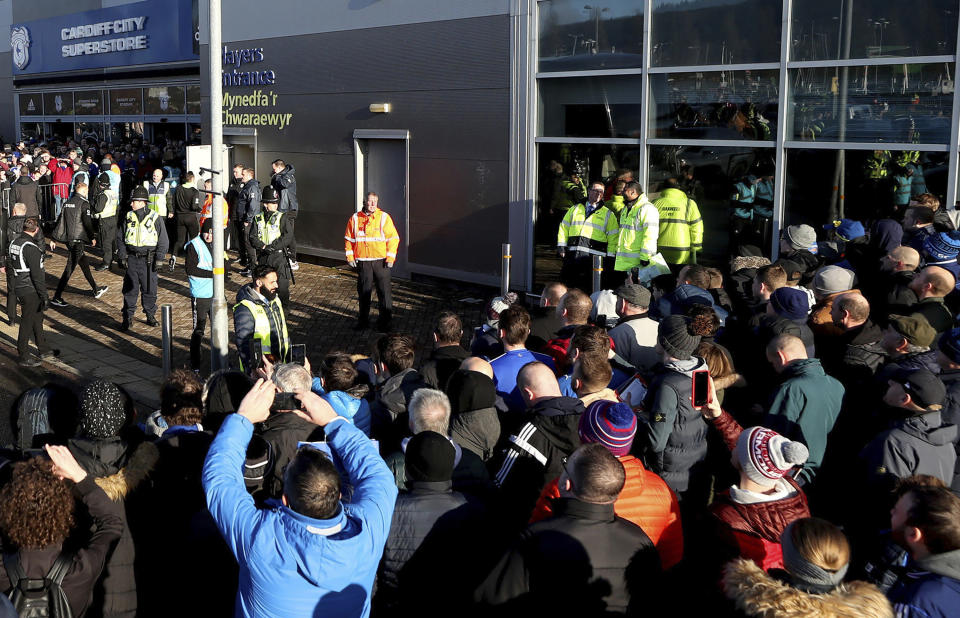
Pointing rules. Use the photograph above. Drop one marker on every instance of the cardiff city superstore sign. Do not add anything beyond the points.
(148, 32)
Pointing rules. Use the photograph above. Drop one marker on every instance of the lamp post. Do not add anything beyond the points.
(596, 24)
(220, 341)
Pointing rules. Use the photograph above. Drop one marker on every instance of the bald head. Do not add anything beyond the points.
(904, 258)
(849, 310)
(536, 381)
(477, 364)
(783, 350)
(574, 307)
(552, 293)
(933, 282)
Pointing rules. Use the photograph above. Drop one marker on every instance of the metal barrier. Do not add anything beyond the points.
(597, 273)
(45, 197)
(166, 326)
(505, 269)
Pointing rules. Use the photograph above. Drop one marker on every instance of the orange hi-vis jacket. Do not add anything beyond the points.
(371, 237)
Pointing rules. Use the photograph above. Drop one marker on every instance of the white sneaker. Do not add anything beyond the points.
(173, 262)
(101, 291)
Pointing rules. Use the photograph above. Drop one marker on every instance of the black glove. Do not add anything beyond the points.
(46, 302)
(122, 262)
(156, 265)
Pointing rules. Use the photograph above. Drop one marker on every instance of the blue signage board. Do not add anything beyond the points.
(130, 34)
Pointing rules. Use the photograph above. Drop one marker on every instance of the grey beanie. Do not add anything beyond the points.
(833, 279)
(804, 571)
(102, 413)
(800, 236)
(674, 337)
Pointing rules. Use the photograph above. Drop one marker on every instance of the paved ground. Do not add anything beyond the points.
(323, 309)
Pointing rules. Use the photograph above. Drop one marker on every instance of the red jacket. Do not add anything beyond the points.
(645, 501)
(61, 180)
(753, 530)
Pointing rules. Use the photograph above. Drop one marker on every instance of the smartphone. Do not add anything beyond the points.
(701, 388)
(285, 401)
(256, 354)
(633, 392)
(298, 354)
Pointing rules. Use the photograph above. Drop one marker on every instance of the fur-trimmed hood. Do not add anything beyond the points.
(136, 470)
(756, 593)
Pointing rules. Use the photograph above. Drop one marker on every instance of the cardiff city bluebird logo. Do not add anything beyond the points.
(20, 43)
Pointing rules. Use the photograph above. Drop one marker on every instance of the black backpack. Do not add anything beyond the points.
(39, 598)
(33, 419)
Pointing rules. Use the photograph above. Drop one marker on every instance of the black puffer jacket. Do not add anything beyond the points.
(428, 510)
(282, 432)
(76, 217)
(389, 412)
(584, 561)
(118, 469)
(675, 435)
(854, 356)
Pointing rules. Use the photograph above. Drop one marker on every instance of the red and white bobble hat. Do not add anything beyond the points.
(765, 456)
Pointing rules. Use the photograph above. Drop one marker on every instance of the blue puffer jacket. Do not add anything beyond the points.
(354, 409)
(290, 564)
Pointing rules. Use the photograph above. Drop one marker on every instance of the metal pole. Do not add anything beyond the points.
(220, 341)
(597, 272)
(505, 269)
(166, 335)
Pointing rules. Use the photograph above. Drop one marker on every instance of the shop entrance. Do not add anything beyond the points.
(382, 166)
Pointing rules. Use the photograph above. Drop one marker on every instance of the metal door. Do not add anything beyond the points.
(382, 166)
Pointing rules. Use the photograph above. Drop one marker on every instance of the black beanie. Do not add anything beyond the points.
(470, 390)
(429, 457)
(675, 338)
(102, 413)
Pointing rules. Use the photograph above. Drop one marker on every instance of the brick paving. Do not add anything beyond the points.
(322, 310)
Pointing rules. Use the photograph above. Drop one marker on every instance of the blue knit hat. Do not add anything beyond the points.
(610, 423)
(847, 229)
(943, 246)
(790, 303)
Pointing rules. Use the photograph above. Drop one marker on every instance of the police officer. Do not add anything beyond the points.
(26, 257)
(271, 236)
(142, 243)
(200, 277)
(104, 209)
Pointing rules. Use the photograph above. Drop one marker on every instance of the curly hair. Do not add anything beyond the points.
(37, 506)
(181, 398)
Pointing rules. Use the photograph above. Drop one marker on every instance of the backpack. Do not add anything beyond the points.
(33, 418)
(39, 598)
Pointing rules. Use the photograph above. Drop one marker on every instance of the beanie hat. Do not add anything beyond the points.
(833, 279)
(943, 246)
(206, 226)
(609, 423)
(102, 413)
(790, 303)
(765, 456)
(429, 457)
(674, 337)
(800, 236)
(847, 229)
(950, 344)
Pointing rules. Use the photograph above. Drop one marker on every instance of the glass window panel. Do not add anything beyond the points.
(193, 99)
(88, 102)
(164, 100)
(877, 27)
(708, 175)
(31, 104)
(714, 105)
(58, 103)
(692, 32)
(557, 166)
(909, 103)
(590, 107)
(126, 101)
(868, 182)
(578, 36)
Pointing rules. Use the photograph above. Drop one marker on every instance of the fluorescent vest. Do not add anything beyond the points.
(681, 227)
(142, 233)
(904, 189)
(261, 329)
(157, 197)
(639, 230)
(201, 287)
(269, 230)
(595, 235)
(110, 210)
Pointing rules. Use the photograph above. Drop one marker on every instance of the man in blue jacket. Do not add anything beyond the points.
(309, 554)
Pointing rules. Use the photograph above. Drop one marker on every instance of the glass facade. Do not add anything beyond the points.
(840, 100)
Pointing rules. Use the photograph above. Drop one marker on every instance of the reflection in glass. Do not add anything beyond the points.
(909, 103)
(714, 105)
(563, 173)
(879, 28)
(193, 99)
(732, 186)
(590, 107)
(697, 32)
(88, 130)
(575, 36)
(867, 179)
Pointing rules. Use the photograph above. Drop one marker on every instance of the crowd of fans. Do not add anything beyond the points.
(557, 465)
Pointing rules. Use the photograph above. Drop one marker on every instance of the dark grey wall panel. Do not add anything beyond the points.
(8, 127)
(28, 10)
(448, 83)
